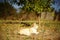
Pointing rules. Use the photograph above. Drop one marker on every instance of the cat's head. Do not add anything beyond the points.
(35, 25)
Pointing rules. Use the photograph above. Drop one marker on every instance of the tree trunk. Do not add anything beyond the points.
(57, 16)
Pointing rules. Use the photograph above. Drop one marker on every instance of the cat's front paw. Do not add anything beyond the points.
(37, 32)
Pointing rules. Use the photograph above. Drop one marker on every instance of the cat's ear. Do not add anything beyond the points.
(32, 25)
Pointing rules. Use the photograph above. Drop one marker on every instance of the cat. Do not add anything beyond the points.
(29, 31)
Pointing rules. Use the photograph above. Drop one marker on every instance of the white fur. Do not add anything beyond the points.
(29, 31)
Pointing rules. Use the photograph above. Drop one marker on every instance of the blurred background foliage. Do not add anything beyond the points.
(9, 8)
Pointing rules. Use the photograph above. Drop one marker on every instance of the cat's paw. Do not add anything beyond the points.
(37, 32)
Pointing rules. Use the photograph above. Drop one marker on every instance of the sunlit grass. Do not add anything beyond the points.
(10, 30)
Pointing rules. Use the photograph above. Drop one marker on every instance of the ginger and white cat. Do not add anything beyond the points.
(29, 31)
